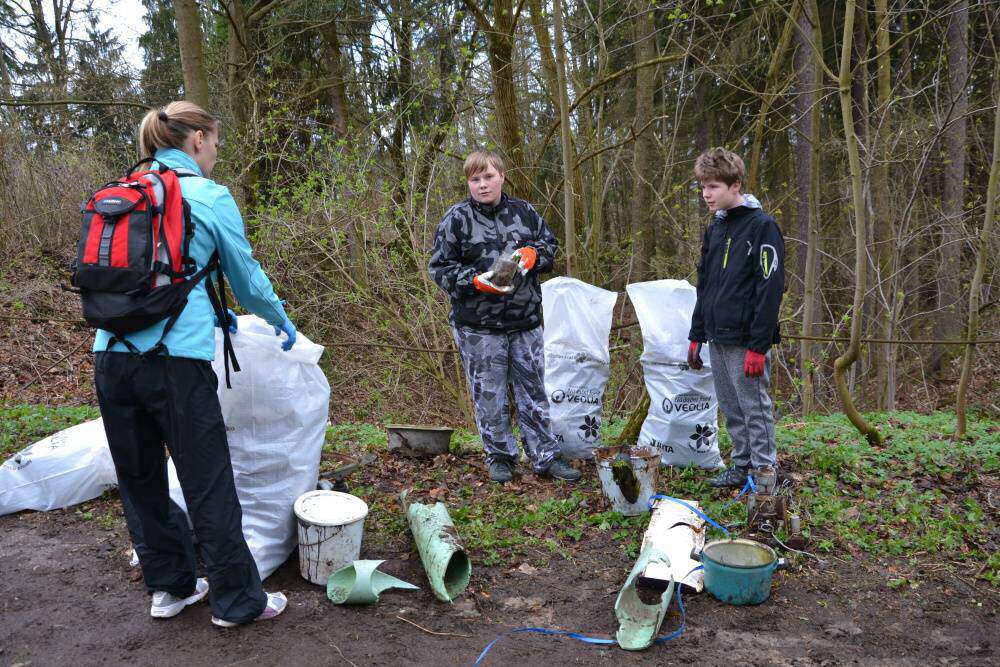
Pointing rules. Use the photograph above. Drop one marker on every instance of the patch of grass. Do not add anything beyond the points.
(918, 493)
(511, 523)
(21, 425)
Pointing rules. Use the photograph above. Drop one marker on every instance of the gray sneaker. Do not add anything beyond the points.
(731, 476)
(501, 471)
(166, 605)
(559, 469)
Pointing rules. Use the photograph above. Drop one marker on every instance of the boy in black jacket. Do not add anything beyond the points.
(741, 278)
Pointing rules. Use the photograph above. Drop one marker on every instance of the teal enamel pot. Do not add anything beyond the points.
(739, 571)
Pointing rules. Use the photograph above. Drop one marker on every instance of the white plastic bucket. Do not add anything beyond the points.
(331, 525)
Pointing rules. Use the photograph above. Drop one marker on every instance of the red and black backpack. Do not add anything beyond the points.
(132, 267)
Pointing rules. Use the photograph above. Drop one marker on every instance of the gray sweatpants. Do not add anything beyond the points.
(747, 407)
(492, 361)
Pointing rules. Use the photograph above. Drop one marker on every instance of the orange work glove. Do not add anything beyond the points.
(526, 258)
(694, 356)
(753, 364)
(483, 284)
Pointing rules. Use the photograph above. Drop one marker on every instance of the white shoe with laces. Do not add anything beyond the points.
(166, 605)
(276, 603)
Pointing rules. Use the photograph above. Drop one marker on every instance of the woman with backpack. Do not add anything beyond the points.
(156, 385)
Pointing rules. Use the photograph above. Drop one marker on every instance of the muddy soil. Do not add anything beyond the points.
(68, 596)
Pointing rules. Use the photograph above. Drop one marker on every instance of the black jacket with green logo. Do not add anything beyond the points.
(741, 278)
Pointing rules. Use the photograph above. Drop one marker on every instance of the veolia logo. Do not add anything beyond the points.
(692, 401)
(18, 462)
(576, 395)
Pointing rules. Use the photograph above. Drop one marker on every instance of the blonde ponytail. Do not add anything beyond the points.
(169, 126)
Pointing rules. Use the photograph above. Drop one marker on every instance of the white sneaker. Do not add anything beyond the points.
(276, 603)
(166, 605)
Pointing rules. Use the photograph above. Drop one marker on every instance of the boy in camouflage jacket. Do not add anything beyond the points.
(498, 328)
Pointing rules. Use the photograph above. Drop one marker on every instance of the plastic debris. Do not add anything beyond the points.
(677, 532)
(638, 622)
(447, 565)
(362, 583)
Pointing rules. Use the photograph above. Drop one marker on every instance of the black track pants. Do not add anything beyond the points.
(147, 402)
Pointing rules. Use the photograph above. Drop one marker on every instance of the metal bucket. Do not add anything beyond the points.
(739, 571)
(422, 442)
(628, 482)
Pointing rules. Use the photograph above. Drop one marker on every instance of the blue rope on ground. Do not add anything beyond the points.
(595, 640)
(749, 486)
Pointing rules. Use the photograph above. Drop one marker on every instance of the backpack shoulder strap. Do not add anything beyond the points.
(218, 299)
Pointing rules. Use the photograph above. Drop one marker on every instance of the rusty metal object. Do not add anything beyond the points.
(503, 271)
(628, 477)
(766, 510)
(418, 441)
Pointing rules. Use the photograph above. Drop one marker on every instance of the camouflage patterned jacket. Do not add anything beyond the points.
(469, 238)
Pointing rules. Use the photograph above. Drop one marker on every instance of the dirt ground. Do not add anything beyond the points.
(68, 596)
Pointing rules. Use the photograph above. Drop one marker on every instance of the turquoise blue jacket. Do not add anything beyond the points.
(218, 225)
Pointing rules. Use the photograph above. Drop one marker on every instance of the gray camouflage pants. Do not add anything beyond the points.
(492, 361)
(747, 406)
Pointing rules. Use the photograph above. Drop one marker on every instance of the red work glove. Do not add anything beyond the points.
(694, 356)
(483, 284)
(526, 257)
(753, 364)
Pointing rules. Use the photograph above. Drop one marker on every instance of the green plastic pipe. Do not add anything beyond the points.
(447, 565)
(362, 583)
(638, 622)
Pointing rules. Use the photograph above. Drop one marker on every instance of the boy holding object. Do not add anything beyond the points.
(497, 324)
(741, 278)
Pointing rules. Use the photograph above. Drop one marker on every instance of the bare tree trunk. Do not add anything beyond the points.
(444, 109)
(5, 79)
(992, 190)
(537, 17)
(807, 127)
(884, 237)
(643, 235)
(845, 361)
(597, 221)
(237, 65)
(402, 26)
(702, 141)
(953, 196)
(46, 41)
(500, 50)
(189, 38)
(334, 64)
(770, 82)
(569, 155)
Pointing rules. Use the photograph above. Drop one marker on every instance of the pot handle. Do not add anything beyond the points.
(782, 564)
(696, 555)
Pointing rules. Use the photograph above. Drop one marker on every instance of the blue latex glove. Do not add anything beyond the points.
(232, 320)
(289, 329)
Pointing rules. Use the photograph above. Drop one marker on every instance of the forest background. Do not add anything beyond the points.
(869, 129)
